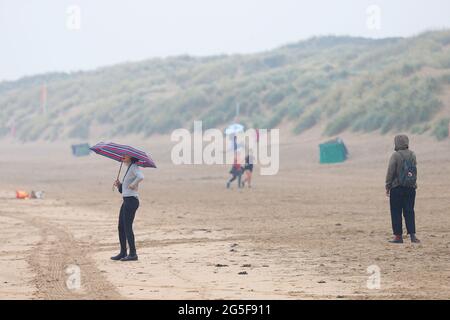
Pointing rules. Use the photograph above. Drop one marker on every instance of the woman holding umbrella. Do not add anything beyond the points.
(133, 159)
(129, 191)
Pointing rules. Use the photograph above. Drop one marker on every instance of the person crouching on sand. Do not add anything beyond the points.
(236, 172)
(401, 185)
(129, 191)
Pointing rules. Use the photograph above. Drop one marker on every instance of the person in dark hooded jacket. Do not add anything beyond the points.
(402, 197)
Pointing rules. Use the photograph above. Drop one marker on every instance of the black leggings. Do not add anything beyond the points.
(126, 218)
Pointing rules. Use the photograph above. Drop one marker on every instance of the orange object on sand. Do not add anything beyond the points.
(22, 194)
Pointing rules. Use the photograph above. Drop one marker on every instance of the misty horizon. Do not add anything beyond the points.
(93, 69)
(38, 37)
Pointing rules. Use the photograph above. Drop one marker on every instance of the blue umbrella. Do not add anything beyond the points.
(233, 129)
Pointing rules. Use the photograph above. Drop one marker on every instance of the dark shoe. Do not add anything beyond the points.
(130, 258)
(397, 239)
(414, 239)
(119, 256)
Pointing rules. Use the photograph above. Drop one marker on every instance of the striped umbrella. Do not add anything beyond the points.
(118, 151)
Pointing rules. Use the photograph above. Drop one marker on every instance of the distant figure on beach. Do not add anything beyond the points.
(129, 191)
(236, 173)
(248, 171)
(401, 185)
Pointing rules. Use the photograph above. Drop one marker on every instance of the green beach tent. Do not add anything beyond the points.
(81, 150)
(333, 151)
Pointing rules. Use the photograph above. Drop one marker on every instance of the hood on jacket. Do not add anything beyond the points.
(401, 142)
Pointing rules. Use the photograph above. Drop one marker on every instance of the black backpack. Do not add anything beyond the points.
(407, 176)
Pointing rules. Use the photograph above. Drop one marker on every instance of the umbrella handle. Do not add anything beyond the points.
(118, 175)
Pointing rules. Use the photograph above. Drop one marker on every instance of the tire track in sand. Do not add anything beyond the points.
(50, 257)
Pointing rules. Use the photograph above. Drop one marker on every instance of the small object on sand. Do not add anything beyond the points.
(247, 265)
(243, 273)
(321, 281)
(22, 194)
(221, 265)
(37, 194)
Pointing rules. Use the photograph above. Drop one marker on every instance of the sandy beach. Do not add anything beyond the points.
(309, 232)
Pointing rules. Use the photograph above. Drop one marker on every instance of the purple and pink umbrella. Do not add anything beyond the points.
(118, 151)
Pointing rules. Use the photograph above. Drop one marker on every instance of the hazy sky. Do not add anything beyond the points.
(46, 35)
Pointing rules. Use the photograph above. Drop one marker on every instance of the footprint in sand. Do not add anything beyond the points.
(221, 265)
